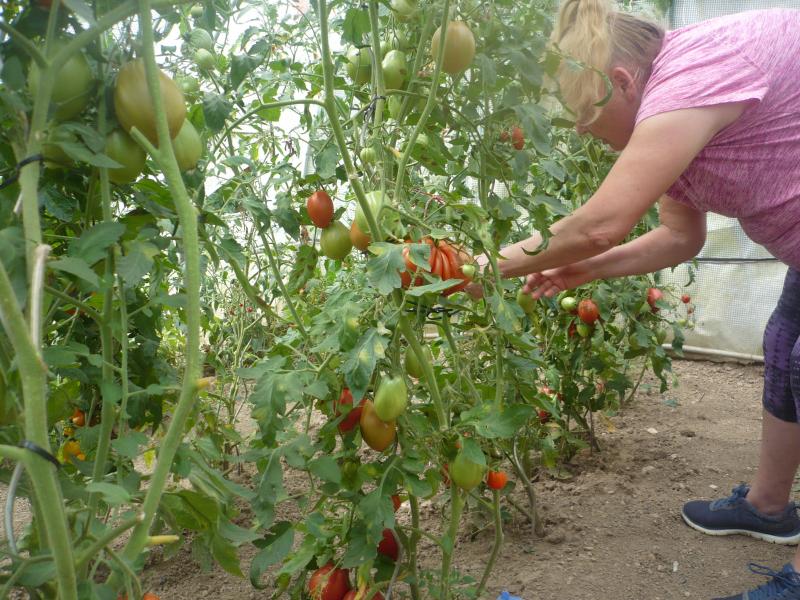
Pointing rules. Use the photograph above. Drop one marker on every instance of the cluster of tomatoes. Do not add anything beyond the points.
(516, 136)
(72, 447)
(446, 262)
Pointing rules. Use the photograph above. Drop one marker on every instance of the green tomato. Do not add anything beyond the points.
(359, 65)
(468, 271)
(200, 38)
(335, 241)
(395, 105)
(188, 146)
(368, 155)
(391, 399)
(583, 329)
(661, 336)
(412, 364)
(399, 41)
(525, 301)
(395, 69)
(376, 201)
(189, 85)
(404, 9)
(204, 60)
(197, 11)
(71, 85)
(465, 473)
(122, 148)
(569, 304)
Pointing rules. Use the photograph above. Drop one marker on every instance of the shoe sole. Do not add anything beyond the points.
(766, 537)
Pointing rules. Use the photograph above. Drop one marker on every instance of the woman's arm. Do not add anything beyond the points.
(679, 237)
(659, 150)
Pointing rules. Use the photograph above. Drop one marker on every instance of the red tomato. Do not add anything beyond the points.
(388, 545)
(328, 583)
(588, 311)
(686, 298)
(396, 502)
(517, 138)
(496, 480)
(653, 296)
(78, 418)
(544, 416)
(320, 208)
(362, 594)
(353, 417)
(360, 239)
(376, 433)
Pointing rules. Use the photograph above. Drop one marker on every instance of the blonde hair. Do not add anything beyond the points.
(598, 37)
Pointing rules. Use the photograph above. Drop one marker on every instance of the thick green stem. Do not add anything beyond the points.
(498, 542)
(413, 545)
(449, 542)
(427, 370)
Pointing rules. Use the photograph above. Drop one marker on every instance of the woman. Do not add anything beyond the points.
(707, 118)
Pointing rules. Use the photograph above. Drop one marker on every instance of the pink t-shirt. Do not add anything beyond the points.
(751, 169)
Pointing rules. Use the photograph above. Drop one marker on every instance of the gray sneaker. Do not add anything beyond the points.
(734, 514)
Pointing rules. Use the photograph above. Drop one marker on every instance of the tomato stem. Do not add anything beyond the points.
(449, 541)
(498, 542)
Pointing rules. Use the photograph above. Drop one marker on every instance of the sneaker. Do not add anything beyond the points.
(785, 585)
(735, 514)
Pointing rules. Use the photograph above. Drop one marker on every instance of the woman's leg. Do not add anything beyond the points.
(777, 466)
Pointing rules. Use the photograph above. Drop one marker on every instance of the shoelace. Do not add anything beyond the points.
(739, 492)
(781, 581)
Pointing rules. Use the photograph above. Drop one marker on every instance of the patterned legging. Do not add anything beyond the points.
(782, 353)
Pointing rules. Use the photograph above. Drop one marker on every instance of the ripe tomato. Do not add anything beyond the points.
(395, 69)
(359, 65)
(320, 208)
(204, 59)
(335, 241)
(122, 148)
(78, 418)
(188, 146)
(328, 583)
(71, 87)
(375, 201)
(544, 416)
(517, 138)
(525, 301)
(376, 433)
(132, 101)
(569, 304)
(465, 473)
(686, 298)
(653, 296)
(391, 399)
(359, 239)
(388, 545)
(459, 47)
(496, 480)
(396, 502)
(352, 417)
(588, 311)
(150, 596)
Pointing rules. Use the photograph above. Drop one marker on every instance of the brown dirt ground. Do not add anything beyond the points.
(614, 529)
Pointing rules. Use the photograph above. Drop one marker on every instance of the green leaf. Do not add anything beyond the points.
(274, 548)
(216, 109)
(472, 450)
(504, 313)
(360, 361)
(355, 26)
(95, 241)
(326, 469)
(80, 8)
(225, 554)
(241, 66)
(78, 268)
(494, 424)
(325, 161)
(437, 286)
(113, 495)
(361, 547)
(303, 267)
(128, 445)
(137, 261)
(384, 269)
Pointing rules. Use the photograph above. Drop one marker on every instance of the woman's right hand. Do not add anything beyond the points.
(551, 282)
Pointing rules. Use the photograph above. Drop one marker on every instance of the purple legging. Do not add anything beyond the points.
(782, 353)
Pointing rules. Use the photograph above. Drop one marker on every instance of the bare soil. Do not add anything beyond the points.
(614, 530)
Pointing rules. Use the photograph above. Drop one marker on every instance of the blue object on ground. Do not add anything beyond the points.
(506, 596)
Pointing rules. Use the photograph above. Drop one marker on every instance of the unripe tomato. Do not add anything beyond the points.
(395, 104)
(583, 330)
(200, 38)
(189, 85)
(375, 201)
(122, 148)
(204, 60)
(71, 87)
(132, 101)
(197, 11)
(328, 583)
(517, 138)
(320, 208)
(686, 298)
(359, 65)
(78, 418)
(525, 301)
(388, 545)
(569, 303)
(391, 399)
(588, 311)
(496, 480)
(360, 239)
(335, 241)
(395, 69)
(413, 366)
(468, 271)
(188, 147)
(71, 448)
(465, 473)
(368, 156)
(376, 433)
(405, 9)
(459, 47)
(661, 335)
(653, 296)
(352, 418)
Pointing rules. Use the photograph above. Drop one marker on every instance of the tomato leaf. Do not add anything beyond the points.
(504, 313)
(225, 554)
(128, 445)
(384, 269)
(493, 424)
(355, 26)
(112, 494)
(275, 546)
(216, 109)
(326, 468)
(472, 451)
(360, 361)
(305, 264)
(94, 242)
(77, 267)
(137, 261)
(80, 8)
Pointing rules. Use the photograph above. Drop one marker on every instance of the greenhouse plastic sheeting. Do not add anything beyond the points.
(733, 298)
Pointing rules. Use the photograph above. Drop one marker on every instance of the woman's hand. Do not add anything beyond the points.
(551, 282)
